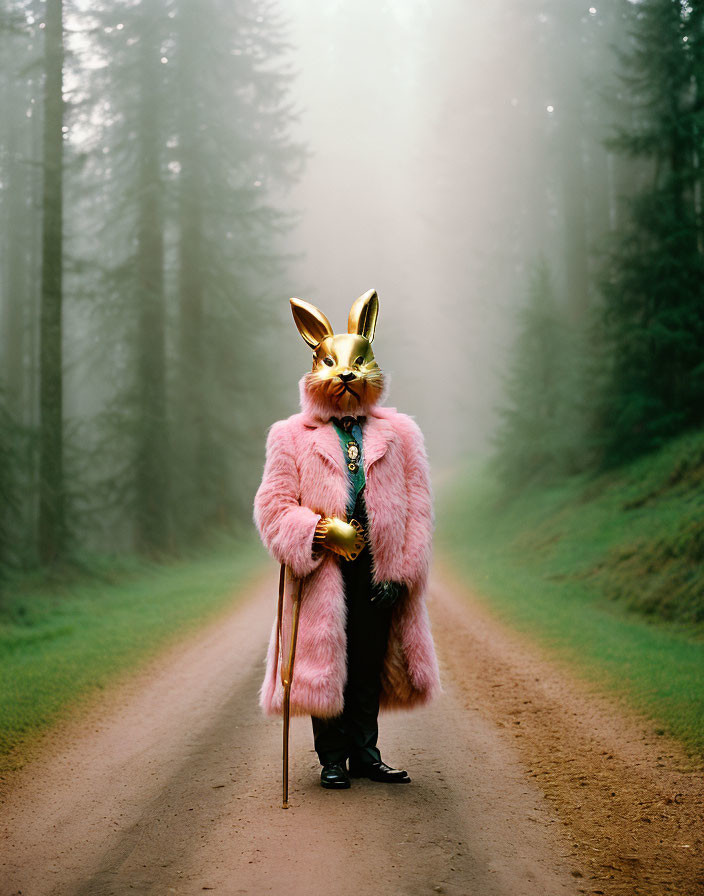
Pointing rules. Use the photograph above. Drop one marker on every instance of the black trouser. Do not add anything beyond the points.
(354, 733)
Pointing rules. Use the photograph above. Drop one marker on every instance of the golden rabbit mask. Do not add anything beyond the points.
(345, 374)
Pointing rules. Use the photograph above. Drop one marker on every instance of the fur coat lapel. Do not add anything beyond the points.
(377, 435)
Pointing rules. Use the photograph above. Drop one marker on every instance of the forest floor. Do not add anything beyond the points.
(524, 783)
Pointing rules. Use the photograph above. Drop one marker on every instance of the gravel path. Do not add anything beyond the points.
(172, 784)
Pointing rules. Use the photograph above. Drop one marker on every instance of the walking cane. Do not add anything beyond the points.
(287, 671)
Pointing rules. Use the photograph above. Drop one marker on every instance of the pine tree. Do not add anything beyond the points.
(152, 431)
(23, 48)
(654, 281)
(231, 155)
(52, 522)
(187, 167)
(535, 438)
(117, 298)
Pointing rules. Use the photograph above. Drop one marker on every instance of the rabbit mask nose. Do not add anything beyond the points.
(347, 376)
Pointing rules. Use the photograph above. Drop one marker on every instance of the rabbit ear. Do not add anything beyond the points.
(312, 324)
(362, 319)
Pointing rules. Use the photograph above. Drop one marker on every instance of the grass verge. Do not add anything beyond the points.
(605, 572)
(61, 642)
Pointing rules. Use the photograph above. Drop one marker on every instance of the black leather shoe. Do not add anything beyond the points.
(334, 776)
(379, 771)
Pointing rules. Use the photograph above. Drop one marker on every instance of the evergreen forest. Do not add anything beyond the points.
(148, 155)
(608, 355)
(143, 158)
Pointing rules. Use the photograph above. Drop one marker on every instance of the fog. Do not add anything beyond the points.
(172, 171)
(426, 125)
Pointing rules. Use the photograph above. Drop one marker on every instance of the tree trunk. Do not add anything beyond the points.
(152, 436)
(192, 361)
(15, 293)
(52, 528)
(570, 113)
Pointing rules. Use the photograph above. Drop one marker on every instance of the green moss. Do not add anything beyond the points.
(605, 571)
(660, 576)
(61, 641)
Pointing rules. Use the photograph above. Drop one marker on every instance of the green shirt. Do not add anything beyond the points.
(351, 443)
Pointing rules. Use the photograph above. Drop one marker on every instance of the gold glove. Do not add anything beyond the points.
(345, 539)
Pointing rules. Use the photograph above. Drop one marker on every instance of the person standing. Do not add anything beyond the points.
(345, 503)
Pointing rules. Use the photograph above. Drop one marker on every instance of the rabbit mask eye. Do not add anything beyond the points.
(359, 361)
(329, 361)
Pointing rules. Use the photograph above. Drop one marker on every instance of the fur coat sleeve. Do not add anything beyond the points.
(417, 543)
(286, 527)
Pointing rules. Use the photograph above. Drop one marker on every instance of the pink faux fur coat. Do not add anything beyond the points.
(305, 479)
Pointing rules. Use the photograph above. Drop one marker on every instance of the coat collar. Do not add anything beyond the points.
(377, 435)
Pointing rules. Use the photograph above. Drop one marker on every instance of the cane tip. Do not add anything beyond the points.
(285, 804)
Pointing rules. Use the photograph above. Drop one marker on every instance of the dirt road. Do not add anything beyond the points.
(523, 784)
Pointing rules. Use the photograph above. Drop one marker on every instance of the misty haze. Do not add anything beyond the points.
(521, 184)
